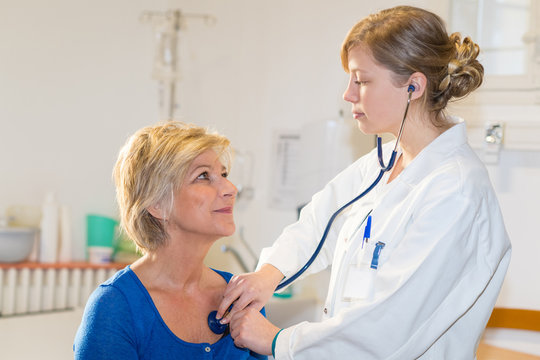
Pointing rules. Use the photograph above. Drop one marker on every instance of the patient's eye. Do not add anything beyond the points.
(203, 176)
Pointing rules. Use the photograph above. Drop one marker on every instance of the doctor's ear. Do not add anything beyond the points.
(419, 81)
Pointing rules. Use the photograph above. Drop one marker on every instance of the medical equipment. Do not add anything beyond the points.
(215, 325)
(167, 26)
(384, 168)
(212, 321)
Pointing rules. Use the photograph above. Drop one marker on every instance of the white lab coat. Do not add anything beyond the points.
(445, 256)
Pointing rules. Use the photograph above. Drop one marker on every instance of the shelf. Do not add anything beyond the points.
(69, 265)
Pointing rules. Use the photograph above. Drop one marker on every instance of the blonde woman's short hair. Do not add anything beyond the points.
(150, 167)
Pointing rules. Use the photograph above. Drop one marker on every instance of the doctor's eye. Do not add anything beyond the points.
(360, 82)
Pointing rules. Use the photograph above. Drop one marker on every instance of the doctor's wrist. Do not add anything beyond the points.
(272, 273)
(274, 343)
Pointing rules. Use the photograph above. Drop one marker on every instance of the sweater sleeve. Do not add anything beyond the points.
(106, 330)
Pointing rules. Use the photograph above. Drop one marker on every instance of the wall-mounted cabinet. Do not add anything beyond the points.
(508, 32)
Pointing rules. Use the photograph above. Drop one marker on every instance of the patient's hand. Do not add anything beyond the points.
(251, 290)
(250, 329)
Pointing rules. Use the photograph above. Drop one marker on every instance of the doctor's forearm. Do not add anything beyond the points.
(272, 274)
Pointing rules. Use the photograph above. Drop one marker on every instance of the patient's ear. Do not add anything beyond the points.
(156, 211)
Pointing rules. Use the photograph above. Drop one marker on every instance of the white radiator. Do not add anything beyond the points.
(28, 290)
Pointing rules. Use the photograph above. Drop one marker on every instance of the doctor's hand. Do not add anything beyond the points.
(250, 329)
(251, 290)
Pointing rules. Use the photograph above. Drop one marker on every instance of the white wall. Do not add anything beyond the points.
(75, 81)
(266, 66)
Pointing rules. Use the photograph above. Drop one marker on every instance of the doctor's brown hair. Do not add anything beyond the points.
(151, 166)
(406, 40)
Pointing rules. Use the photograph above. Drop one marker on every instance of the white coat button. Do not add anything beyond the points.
(325, 310)
(207, 349)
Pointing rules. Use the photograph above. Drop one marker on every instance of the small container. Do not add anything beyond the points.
(48, 247)
(100, 254)
(64, 252)
(101, 235)
(16, 244)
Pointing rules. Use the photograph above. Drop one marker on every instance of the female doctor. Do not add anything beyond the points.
(422, 281)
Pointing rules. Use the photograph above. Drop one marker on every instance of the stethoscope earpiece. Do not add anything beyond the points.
(384, 168)
(219, 328)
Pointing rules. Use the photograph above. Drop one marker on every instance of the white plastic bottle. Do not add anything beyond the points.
(64, 251)
(48, 250)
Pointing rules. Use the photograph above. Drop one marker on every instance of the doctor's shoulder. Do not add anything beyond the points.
(462, 175)
(473, 174)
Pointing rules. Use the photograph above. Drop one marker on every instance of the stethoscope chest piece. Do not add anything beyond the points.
(215, 325)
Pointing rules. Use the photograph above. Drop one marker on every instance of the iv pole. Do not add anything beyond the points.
(166, 27)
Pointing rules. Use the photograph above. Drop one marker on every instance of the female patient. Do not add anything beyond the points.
(175, 201)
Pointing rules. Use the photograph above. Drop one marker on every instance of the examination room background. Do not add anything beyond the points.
(76, 80)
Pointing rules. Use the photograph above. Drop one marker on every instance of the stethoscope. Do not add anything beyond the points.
(219, 328)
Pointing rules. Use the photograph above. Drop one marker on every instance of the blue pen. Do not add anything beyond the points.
(367, 231)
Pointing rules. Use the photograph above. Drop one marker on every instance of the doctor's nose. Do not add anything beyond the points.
(351, 94)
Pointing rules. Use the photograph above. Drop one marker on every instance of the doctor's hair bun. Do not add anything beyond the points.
(406, 40)
(463, 74)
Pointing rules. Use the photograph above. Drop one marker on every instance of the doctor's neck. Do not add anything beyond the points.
(418, 133)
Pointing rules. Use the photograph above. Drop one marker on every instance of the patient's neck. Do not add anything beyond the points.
(183, 289)
(177, 265)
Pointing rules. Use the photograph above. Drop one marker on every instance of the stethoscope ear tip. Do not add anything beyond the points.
(411, 88)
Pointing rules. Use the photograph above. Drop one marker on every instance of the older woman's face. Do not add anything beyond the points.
(203, 206)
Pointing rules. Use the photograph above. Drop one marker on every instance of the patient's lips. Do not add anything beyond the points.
(225, 210)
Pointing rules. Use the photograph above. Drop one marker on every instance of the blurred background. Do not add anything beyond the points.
(77, 78)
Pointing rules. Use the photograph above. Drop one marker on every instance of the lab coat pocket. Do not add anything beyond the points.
(360, 283)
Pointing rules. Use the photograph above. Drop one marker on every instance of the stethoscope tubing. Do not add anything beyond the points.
(333, 217)
(219, 328)
(384, 168)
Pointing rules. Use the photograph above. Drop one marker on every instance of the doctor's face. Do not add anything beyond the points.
(203, 205)
(377, 102)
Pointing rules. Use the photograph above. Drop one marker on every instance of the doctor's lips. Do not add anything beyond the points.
(358, 115)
